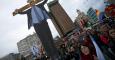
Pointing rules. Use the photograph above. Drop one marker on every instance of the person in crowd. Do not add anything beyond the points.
(104, 37)
(65, 41)
(43, 57)
(113, 26)
(112, 40)
(72, 54)
(95, 35)
(104, 29)
(75, 46)
(87, 53)
(88, 42)
(63, 51)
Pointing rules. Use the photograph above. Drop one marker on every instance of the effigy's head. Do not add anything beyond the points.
(31, 2)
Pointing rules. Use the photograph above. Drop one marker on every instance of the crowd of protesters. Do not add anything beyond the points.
(90, 44)
(81, 47)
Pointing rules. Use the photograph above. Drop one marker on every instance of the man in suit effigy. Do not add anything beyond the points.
(37, 16)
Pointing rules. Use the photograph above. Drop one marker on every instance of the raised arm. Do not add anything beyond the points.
(19, 12)
(22, 9)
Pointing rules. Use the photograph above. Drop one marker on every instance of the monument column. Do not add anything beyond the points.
(60, 19)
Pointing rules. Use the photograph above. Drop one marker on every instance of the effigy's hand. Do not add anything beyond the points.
(15, 12)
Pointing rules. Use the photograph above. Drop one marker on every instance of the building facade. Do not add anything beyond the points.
(111, 1)
(92, 14)
(25, 45)
(60, 19)
(77, 25)
(81, 20)
(12, 56)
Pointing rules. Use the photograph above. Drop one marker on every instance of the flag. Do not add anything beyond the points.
(100, 55)
(110, 10)
(97, 12)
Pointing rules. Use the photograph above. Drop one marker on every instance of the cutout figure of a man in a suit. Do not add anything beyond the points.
(37, 16)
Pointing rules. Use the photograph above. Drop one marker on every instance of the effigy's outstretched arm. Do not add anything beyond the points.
(22, 9)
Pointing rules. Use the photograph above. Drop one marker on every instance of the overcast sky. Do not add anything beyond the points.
(14, 28)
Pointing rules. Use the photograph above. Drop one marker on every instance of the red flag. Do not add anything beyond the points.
(97, 12)
(110, 10)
